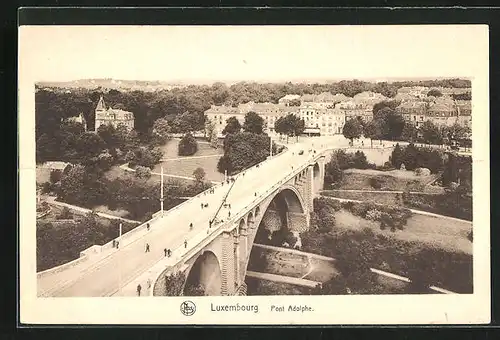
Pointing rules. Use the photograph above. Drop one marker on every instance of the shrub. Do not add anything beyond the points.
(174, 284)
(65, 214)
(373, 215)
(142, 172)
(187, 146)
(376, 182)
(55, 176)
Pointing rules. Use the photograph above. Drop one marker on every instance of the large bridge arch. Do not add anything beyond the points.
(282, 207)
(204, 276)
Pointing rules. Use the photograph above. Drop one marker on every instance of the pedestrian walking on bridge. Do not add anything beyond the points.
(139, 290)
(201, 205)
(190, 226)
(165, 251)
(147, 226)
(185, 244)
(147, 247)
(169, 252)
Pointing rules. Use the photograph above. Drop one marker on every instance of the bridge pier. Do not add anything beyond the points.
(297, 222)
(227, 266)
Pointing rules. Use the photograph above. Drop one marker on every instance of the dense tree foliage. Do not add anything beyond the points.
(211, 134)
(83, 188)
(199, 174)
(391, 123)
(54, 104)
(253, 123)
(462, 96)
(289, 125)
(232, 126)
(431, 133)
(339, 161)
(63, 243)
(161, 132)
(352, 129)
(416, 157)
(373, 130)
(434, 93)
(187, 145)
(243, 150)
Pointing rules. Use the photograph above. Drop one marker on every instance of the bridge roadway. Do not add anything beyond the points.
(103, 275)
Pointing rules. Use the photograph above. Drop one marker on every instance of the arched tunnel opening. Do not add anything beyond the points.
(205, 277)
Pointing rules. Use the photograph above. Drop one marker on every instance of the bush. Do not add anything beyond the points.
(373, 215)
(174, 284)
(376, 182)
(142, 172)
(55, 176)
(389, 217)
(187, 146)
(65, 214)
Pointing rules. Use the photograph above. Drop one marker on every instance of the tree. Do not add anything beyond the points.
(211, 133)
(410, 132)
(397, 156)
(199, 174)
(392, 104)
(243, 150)
(253, 123)
(352, 129)
(72, 184)
(372, 130)
(434, 93)
(89, 145)
(289, 125)
(108, 134)
(431, 133)
(142, 172)
(333, 173)
(232, 126)
(160, 132)
(456, 132)
(187, 145)
(55, 176)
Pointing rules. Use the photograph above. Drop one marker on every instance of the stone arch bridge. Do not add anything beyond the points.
(277, 192)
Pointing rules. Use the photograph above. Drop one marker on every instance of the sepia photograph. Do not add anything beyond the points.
(255, 177)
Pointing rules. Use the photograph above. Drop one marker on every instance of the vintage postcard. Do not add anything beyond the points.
(254, 175)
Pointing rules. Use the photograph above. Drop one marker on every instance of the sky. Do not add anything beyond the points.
(250, 53)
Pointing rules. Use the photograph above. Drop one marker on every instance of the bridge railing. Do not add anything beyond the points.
(273, 188)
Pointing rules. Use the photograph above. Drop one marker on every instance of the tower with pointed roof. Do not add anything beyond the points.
(101, 107)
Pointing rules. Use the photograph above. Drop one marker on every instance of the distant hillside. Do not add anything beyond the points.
(109, 83)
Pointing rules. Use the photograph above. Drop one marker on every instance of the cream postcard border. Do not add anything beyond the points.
(358, 309)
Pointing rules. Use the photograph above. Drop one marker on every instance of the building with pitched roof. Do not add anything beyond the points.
(110, 116)
(78, 119)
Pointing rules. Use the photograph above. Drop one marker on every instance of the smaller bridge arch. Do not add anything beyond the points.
(204, 277)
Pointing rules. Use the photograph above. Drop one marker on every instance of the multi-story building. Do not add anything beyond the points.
(115, 117)
(318, 119)
(440, 111)
(413, 111)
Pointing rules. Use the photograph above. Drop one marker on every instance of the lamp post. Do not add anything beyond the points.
(120, 264)
(270, 147)
(161, 192)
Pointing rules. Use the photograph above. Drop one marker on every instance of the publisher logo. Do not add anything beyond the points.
(188, 308)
